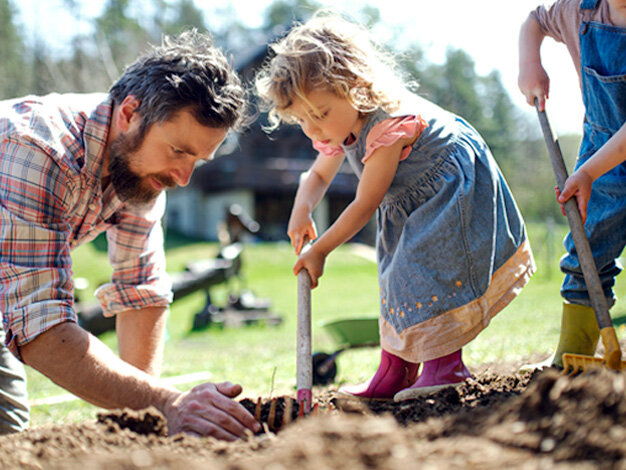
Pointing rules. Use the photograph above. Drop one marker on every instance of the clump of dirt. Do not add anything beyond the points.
(486, 391)
(531, 421)
(145, 422)
(583, 418)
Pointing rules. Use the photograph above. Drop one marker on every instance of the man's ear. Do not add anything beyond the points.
(126, 113)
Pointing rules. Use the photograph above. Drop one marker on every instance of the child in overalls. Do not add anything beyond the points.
(594, 32)
(451, 244)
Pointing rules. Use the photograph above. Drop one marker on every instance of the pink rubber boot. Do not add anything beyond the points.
(446, 371)
(393, 375)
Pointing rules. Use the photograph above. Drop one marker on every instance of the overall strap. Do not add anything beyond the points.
(587, 7)
(589, 4)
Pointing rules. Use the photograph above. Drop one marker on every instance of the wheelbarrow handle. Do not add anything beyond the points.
(585, 256)
(304, 378)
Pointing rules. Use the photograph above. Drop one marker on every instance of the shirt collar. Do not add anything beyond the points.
(96, 134)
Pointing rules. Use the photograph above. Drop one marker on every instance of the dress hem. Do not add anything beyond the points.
(450, 331)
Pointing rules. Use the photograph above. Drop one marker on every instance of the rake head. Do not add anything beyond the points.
(576, 363)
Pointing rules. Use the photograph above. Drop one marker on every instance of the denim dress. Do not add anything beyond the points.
(603, 62)
(446, 228)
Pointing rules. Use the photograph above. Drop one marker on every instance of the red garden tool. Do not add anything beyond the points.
(613, 355)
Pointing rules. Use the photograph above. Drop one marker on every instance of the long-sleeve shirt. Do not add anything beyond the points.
(51, 200)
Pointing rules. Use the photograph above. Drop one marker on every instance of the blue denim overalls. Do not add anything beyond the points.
(603, 62)
(447, 222)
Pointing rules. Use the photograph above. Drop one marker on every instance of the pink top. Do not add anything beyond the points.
(383, 134)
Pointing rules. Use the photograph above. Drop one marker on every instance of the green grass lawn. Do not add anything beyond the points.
(263, 358)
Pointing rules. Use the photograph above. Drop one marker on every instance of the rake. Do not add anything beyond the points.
(575, 363)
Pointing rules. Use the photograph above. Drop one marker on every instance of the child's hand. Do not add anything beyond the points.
(533, 82)
(301, 230)
(579, 186)
(313, 261)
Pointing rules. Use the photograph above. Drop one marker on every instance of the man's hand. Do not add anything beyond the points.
(208, 410)
(86, 367)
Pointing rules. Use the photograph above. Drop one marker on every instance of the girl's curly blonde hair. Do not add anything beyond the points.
(327, 53)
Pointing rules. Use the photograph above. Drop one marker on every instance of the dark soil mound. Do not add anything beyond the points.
(541, 420)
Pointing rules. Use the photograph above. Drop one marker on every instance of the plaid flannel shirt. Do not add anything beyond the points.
(51, 151)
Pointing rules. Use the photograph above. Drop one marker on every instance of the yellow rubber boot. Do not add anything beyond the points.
(579, 332)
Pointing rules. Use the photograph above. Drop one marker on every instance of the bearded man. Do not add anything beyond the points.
(74, 166)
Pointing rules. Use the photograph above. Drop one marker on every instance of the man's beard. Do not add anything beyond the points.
(131, 188)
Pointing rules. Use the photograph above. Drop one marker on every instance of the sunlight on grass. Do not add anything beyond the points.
(262, 358)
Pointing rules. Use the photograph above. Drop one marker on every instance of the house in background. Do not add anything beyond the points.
(260, 172)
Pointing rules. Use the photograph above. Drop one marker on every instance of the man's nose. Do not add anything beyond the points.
(182, 173)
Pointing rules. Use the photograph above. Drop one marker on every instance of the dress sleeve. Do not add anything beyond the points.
(328, 150)
(387, 132)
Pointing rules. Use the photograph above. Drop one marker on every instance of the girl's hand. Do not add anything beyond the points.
(313, 261)
(579, 186)
(301, 229)
(533, 82)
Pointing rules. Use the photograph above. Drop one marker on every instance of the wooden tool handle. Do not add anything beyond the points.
(304, 382)
(585, 256)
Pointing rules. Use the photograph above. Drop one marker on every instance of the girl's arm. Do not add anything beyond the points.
(378, 173)
(611, 154)
(313, 186)
(533, 81)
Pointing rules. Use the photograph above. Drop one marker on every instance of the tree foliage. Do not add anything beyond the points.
(124, 27)
(14, 71)
(486, 105)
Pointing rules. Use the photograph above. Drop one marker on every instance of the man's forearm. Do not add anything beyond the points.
(79, 362)
(141, 337)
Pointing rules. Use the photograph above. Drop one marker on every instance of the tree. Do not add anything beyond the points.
(124, 27)
(119, 36)
(484, 103)
(14, 76)
(174, 18)
(45, 72)
(285, 12)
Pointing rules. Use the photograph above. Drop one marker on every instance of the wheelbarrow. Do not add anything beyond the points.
(348, 334)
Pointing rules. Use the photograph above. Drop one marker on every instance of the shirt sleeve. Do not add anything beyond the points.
(36, 287)
(137, 256)
(559, 20)
(328, 150)
(387, 132)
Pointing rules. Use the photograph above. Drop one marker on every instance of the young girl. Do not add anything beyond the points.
(451, 244)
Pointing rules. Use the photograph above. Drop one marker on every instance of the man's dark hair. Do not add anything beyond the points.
(185, 72)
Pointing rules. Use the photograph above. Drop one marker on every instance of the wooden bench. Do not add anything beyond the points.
(201, 274)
